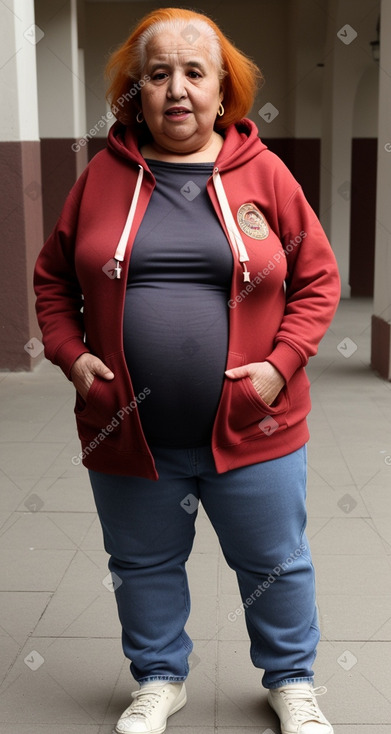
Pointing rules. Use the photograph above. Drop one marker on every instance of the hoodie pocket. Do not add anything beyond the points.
(248, 414)
(99, 410)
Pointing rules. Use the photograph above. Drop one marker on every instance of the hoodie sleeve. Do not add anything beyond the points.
(312, 286)
(59, 297)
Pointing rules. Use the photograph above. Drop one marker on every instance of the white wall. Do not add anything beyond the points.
(61, 90)
(18, 78)
(366, 104)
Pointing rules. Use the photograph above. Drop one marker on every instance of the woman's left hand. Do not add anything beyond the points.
(266, 378)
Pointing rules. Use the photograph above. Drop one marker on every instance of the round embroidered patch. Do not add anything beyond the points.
(252, 222)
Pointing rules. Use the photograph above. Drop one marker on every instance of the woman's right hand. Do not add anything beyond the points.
(85, 369)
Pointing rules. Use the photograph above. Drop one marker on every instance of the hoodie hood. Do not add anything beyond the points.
(241, 144)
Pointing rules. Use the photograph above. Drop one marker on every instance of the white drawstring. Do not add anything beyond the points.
(233, 231)
(121, 247)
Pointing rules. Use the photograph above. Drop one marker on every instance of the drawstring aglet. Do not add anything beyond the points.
(246, 274)
(117, 270)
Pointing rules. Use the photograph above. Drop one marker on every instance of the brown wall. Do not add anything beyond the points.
(61, 166)
(21, 240)
(363, 216)
(302, 157)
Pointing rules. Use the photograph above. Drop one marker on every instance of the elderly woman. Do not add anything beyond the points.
(183, 290)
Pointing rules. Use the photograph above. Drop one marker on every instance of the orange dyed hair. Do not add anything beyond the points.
(240, 77)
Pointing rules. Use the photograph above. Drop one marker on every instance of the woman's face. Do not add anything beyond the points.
(181, 100)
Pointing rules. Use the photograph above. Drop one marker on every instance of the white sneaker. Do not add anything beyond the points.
(153, 704)
(298, 710)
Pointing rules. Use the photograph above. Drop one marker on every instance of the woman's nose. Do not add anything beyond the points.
(177, 87)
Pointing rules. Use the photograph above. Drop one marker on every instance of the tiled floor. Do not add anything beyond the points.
(61, 662)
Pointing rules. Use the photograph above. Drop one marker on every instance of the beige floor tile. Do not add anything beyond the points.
(9, 653)
(75, 526)
(93, 539)
(206, 540)
(172, 726)
(20, 613)
(82, 606)
(36, 529)
(19, 430)
(364, 462)
(227, 580)
(377, 497)
(48, 729)
(330, 467)
(33, 570)
(202, 623)
(355, 617)
(324, 501)
(357, 677)
(31, 460)
(66, 494)
(383, 528)
(62, 425)
(4, 519)
(12, 492)
(61, 463)
(202, 570)
(353, 575)
(231, 618)
(346, 536)
(60, 681)
(241, 700)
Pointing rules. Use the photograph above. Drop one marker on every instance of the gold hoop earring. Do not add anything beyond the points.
(221, 110)
(138, 117)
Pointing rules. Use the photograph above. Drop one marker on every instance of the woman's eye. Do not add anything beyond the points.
(159, 75)
(194, 75)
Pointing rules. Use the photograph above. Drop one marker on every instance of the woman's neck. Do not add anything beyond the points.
(208, 155)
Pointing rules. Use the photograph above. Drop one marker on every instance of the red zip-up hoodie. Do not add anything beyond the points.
(284, 292)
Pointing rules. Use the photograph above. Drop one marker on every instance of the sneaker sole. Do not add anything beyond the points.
(180, 704)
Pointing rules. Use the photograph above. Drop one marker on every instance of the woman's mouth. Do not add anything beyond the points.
(177, 113)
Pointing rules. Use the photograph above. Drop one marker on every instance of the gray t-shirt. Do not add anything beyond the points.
(176, 310)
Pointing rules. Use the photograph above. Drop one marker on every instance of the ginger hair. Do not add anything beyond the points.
(239, 75)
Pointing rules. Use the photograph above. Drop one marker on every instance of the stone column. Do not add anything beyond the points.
(20, 185)
(381, 319)
(346, 58)
(61, 100)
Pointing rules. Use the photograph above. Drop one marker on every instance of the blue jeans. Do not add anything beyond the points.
(259, 515)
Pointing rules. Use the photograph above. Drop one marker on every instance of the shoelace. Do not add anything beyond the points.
(302, 704)
(144, 702)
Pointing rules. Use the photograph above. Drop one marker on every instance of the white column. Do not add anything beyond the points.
(18, 76)
(347, 56)
(338, 102)
(61, 100)
(60, 71)
(381, 322)
(20, 201)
